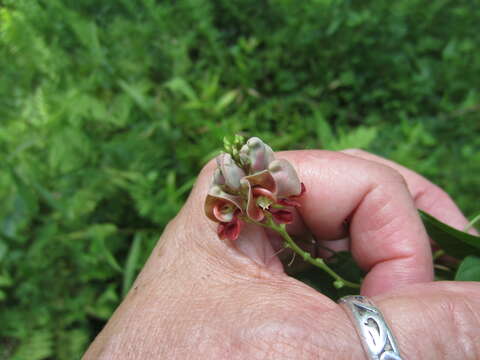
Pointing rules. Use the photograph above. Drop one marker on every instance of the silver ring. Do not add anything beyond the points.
(377, 338)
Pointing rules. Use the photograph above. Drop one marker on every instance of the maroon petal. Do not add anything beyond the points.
(288, 202)
(230, 230)
(292, 200)
(282, 216)
(302, 191)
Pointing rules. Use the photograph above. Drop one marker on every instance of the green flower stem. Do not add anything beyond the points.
(472, 223)
(437, 254)
(318, 262)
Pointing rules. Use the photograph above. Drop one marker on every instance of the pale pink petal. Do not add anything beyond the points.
(217, 197)
(253, 211)
(259, 191)
(231, 172)
(263, 179)
(218, 178)
(258, 154)
(286, 178)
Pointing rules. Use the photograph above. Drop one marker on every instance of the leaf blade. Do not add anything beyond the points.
(131, 264)
(469, 269)
(455, 242)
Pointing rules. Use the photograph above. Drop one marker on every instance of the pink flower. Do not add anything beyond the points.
(251, 186)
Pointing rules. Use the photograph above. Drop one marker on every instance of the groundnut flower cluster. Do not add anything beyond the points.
(249, 184)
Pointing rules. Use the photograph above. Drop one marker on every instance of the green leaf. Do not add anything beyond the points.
(180, 86)
(25, 192)
(104, 305)
(38, 346)
(324, 131)
(225, 100)
(469, 269)
(6, 280)
(99, 233)
(137, 93)
(472, 222)
(455, 242)
(3, 251)
(361, 137)
(344, 265)
(132, 264)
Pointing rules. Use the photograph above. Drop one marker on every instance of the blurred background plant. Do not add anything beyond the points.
(108, 111)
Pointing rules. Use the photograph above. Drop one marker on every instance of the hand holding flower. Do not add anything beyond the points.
(199, 297)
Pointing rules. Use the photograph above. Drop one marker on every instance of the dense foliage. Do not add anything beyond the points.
(109, 109)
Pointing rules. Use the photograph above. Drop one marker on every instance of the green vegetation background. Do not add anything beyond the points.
(109, 109)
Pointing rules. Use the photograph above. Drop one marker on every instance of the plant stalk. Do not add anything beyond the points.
(318, 262)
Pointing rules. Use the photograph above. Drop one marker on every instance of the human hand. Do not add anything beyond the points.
(200, 297)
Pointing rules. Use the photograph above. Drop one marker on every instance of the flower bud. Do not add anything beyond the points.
(257, 154)
(218, 178)
(230, 171)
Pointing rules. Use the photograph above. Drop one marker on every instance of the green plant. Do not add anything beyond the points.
(109, 110)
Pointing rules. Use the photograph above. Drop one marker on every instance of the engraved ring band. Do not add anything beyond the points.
(376, 337)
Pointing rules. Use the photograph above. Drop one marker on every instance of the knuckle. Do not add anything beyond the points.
(433, 196)
(464, 322)
(390, 174)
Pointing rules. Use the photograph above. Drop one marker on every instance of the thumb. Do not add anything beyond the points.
(438, 320)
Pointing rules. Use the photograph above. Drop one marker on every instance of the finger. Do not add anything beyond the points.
(387, 236)
(428, 196)
(435, 321)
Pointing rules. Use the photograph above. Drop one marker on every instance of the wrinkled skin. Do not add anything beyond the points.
(202, 298)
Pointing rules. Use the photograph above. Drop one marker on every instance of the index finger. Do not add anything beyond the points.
(387, 236)
(427, 196)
